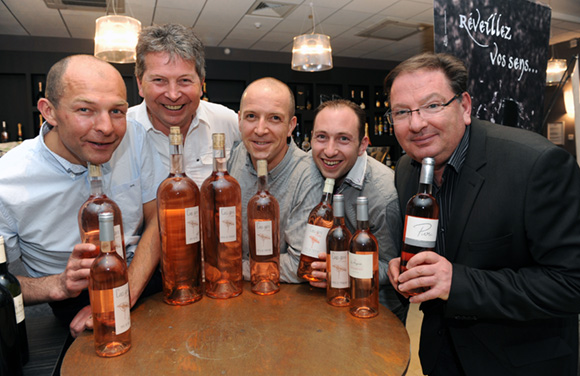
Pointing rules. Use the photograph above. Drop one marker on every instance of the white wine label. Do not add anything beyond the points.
(360, 266)
(192, 225)
(19, 308)
(264, 238)
(2, 254)
(315, 240)
(118, 240)
(122, 308)
(227, 224)
(339, 270)
(420, 232)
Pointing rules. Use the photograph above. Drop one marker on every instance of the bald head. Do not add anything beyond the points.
(273, 85)
(77, 66)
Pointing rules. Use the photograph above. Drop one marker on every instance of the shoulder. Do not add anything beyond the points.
(217, 111)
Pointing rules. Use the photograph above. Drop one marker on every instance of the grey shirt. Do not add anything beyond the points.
(297, 191)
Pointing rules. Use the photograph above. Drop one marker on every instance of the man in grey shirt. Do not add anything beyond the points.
(339, 151)
(266, 120)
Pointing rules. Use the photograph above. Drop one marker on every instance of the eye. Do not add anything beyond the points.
(344, 139)
(432, 106)
(117, 112)
(320, 137)
(276, 118)
(250, 116)
(401, 113)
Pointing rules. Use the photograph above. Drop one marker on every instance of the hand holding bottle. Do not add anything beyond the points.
(319, 271)
(426, 270)
(75, 277)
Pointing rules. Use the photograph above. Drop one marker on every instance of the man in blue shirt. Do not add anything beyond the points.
(44, 183)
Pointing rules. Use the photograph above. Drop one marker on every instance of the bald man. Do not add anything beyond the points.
(45, 181)
(266, 120)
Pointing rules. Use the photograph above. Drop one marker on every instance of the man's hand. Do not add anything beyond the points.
(426, 270)
(393, 273)
(319, 271)
(75, 277)
(83, 320)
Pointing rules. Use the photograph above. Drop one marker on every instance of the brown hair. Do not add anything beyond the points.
(338, 103)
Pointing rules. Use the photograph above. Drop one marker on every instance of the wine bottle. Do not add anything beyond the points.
(204, 95)
(10, 361)
(88, 217)
(109, 295)
(362, 100)
(377, 100)
(221, 208)
(19, 132)
(421, 219)
(363, 266)
(40, 93)
(9, 281)
(337, 248)
(319, 223)
(306, 143)
(264, 236)
(4, 137)
(178, 214)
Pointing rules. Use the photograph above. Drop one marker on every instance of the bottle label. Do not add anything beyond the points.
(315, 240)
(192, 225)
(19, 308)
(122, 308)
(227, 224)
(2, 255)
(264, 238)
(360, 266)
(420, 232)
(118, 240)
(339, 270)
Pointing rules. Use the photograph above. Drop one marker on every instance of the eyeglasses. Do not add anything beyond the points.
(426, 111)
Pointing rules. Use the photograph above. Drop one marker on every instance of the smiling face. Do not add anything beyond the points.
(265, 120)
(439, 135)
(89, 121)
(172, 90)
(335, 142)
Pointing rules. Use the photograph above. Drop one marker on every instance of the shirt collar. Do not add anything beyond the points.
(356, 175)
(292, 148)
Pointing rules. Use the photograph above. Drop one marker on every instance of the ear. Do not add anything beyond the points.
(363, 146)
(466, 107)
(292, 125)
(48, 111)
(139, 85)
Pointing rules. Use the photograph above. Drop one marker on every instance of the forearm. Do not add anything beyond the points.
(146, 256)
(42, 290)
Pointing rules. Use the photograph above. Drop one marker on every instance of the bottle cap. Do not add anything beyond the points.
(328, 185)
(175, 137)
(94, 170)
(262, 167)
(362, 210)
(427, 170)
(219, 140)
(338, 205)
(106, 233)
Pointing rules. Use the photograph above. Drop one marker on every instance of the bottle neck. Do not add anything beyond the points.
(425, 188)
(176, 159)
(219, 160)
(96, 186)
(262, 183)
(3, 261)
(362, 224)
(327, 197)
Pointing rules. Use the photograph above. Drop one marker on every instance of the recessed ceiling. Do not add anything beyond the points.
(114, 6)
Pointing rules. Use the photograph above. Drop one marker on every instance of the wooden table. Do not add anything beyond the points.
(294, 332)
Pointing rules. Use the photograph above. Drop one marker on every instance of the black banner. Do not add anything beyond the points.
(505, 46)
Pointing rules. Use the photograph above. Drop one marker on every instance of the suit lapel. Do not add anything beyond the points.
(467, 190)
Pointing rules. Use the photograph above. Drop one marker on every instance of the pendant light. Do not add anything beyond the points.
(116, 38)
(311, 52)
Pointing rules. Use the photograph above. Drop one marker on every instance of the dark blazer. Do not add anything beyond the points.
(513, 238)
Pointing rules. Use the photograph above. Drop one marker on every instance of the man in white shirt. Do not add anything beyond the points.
(170, 71)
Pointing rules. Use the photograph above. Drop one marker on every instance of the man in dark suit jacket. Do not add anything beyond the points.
(503, 289)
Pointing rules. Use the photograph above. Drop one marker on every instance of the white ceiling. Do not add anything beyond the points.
(224, 23)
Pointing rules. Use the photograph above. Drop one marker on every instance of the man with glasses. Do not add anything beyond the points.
(170, 71)
(502, 290)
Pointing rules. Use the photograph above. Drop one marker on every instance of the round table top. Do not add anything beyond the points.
(293, 332)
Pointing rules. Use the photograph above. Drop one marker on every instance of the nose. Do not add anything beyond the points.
(330, 150)
(416, 121)
(261, 127)
(173, 92)
(103, 123)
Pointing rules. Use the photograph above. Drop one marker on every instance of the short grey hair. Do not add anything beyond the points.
(176, 40)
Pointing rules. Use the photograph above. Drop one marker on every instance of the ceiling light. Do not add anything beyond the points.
(555, 70)
(116, 38)
(311, 52)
